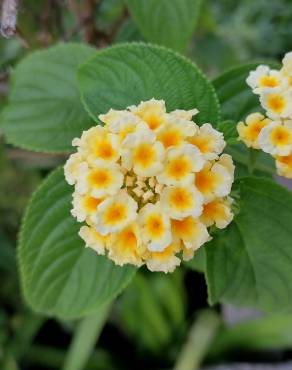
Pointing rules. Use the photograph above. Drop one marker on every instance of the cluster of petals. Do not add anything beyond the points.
(149, 185)
(271, 132)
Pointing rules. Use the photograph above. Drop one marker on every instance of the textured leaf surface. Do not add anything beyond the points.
(235, 96)
(164, 22)
(127, 74)
(59, 276)
(249, 263)
(44, 111)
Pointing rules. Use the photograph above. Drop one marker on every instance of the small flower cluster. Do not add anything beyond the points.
(271, 133)
(148, 184)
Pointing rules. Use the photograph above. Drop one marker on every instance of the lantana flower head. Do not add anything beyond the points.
(149, 184)
(271, 131)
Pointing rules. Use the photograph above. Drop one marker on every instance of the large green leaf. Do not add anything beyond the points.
(249, 263)
(126, 74)
(44, 111)
(59, 276)
(164, 22)
(236, 97)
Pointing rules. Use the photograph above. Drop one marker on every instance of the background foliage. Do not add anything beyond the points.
(246, 265)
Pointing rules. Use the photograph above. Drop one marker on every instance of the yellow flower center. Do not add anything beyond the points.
(115, 214)
(144, 155)
(213, 210)
(128, 238)
(180, 198)
(254, 129)
(201, 142)
(280, 136)
(285, 160)
(99, 178)
(91, 203)
(153, 121)
(182, 227)
(104, 150)
(268, 81)
(276, 103)
(155, 226)
(170, 138)
(205, 181)
(179, 168)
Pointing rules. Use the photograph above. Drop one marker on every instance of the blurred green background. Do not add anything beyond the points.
(150, 324)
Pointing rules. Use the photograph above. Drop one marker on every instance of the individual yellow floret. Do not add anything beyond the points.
(155, 227)
(191, 232)
(84, 206)
(175, 130)
(99, 144)
(93, 239)
(115, 213)
(153, 112)
(180, 165)
(209, 141)
(165, 261)
(182, 201)
(284, 165)
(277, 104)
(126, 246)
(143, 153)
(276, 139)
(217, 212)
(100, 180)
(250, 129)
(215, 180)
(264, 78)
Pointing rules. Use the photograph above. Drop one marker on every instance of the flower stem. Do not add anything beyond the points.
(201, 334)
(84, 340)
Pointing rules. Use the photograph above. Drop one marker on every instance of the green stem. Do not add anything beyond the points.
(84, 340)
(201, 334)
(252, 160)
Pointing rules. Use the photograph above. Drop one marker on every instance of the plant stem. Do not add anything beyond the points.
(201, 334)
(252, 160)
(84, 340)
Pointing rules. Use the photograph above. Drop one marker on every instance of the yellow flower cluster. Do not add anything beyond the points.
(148, 184)
(271, 133)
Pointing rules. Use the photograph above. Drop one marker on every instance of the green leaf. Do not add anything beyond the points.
(198, 263)
(59, 276)
(235, 96)
(249, 263)
(126, 74)
(128, 32)
(266, 333)
(44, 111)
(164, 22)
(264, 163)
(228, 128)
